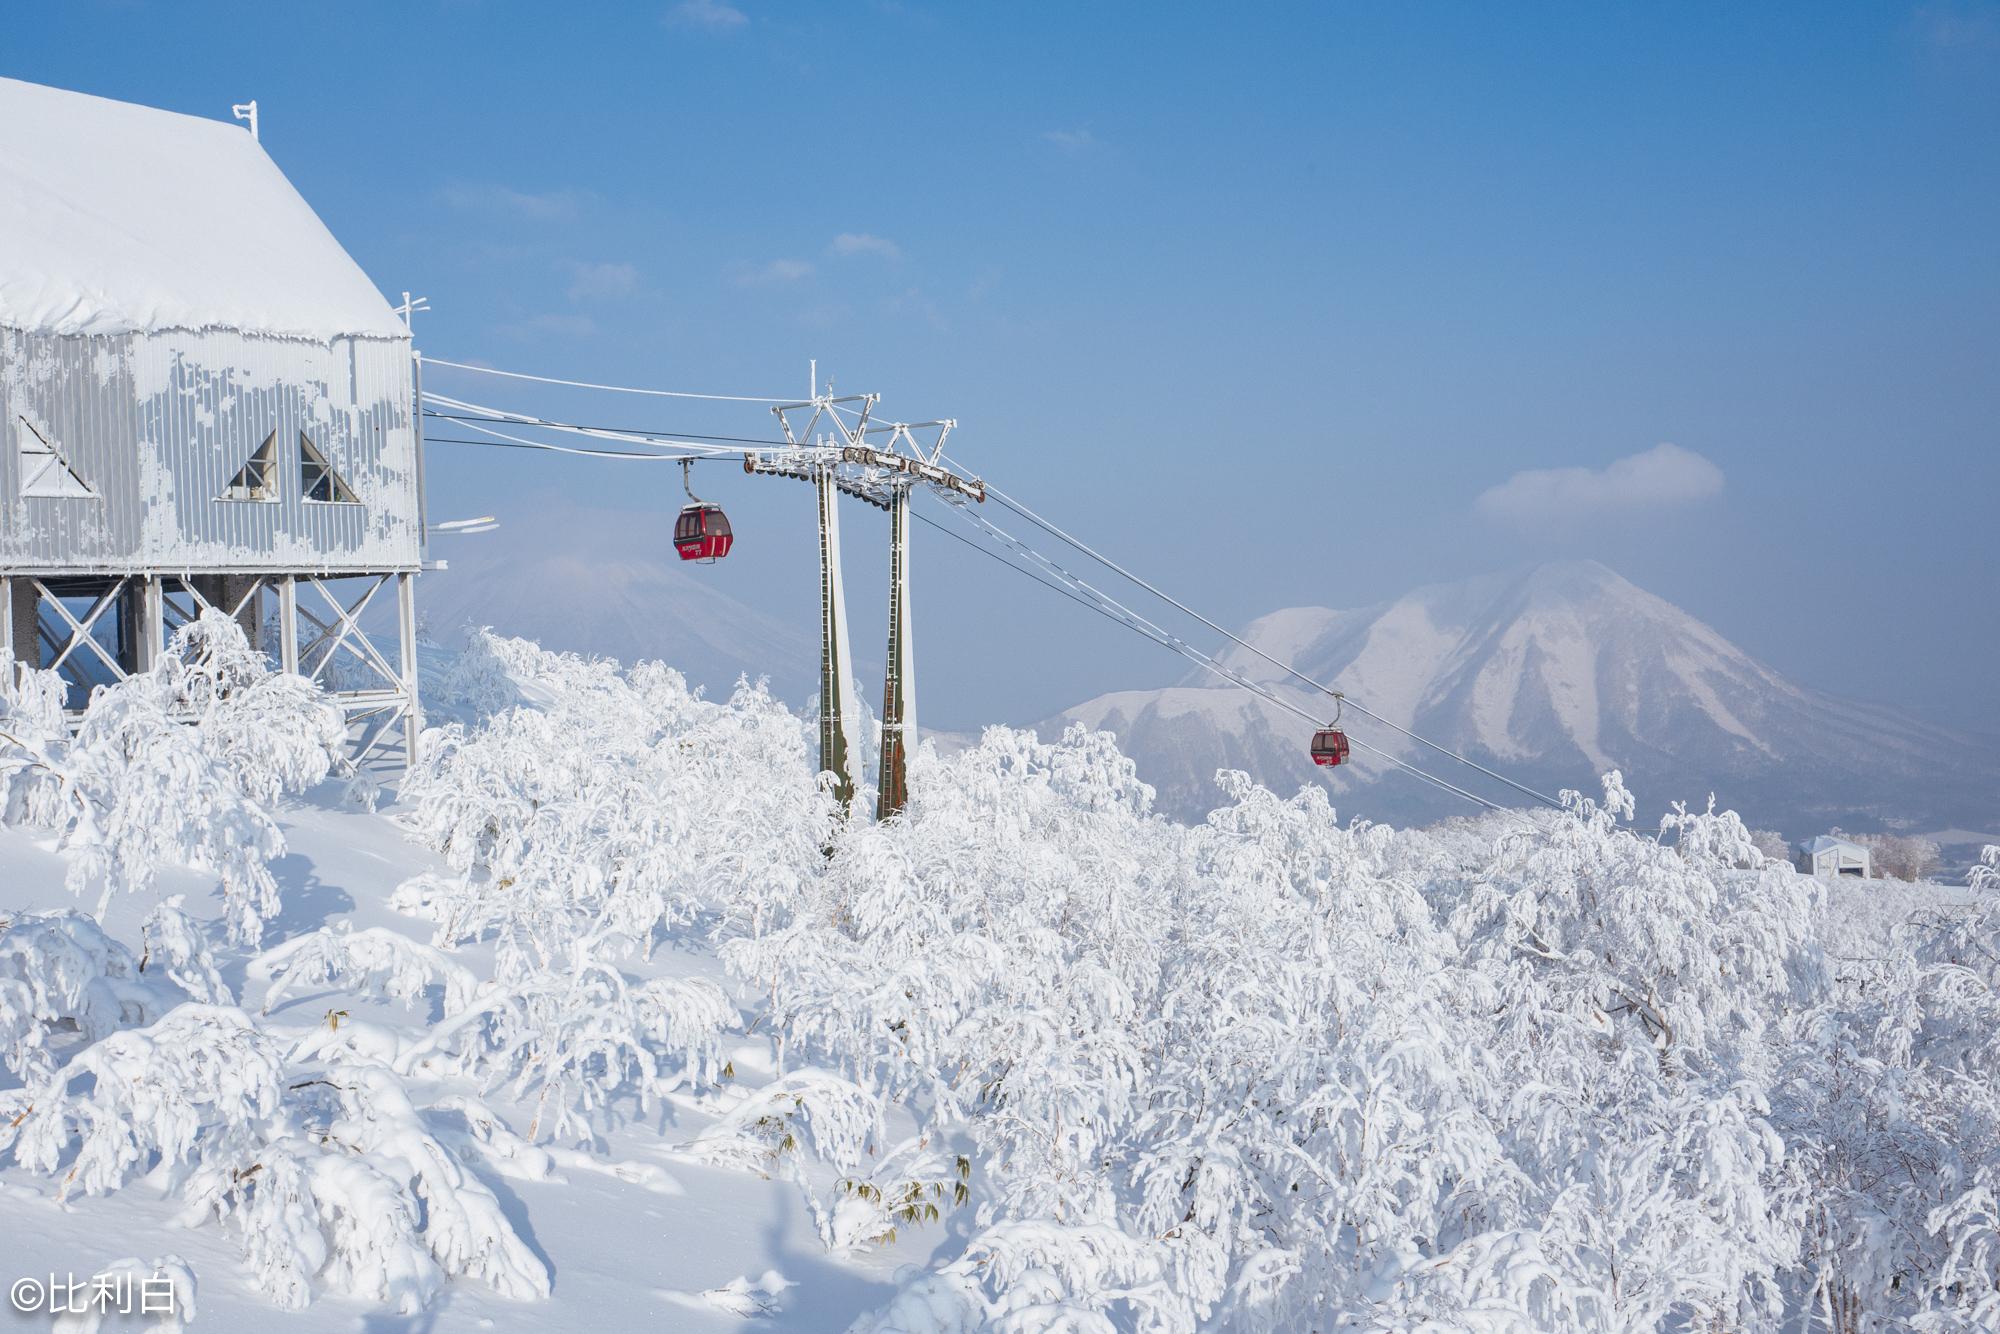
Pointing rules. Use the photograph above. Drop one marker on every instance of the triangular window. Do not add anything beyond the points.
(258, 478)
(44, 471)
(317, 479)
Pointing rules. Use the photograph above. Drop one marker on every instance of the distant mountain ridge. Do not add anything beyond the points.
(1550, 675)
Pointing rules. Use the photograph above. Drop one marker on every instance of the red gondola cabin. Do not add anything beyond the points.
(702, 533)
(1329, 747)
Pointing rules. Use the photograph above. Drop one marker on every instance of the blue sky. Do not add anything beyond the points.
(1274, 302)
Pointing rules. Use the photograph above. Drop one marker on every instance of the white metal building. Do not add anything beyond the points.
(203, 402)
(1829, 857)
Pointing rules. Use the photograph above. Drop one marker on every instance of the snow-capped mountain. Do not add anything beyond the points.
(1549, 675)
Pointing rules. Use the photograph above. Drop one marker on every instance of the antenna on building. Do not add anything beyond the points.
(411, 306)
(247, 111)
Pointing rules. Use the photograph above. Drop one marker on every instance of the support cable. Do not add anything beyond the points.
(1112, 608)
(515, 442)
(1026, 573)
(613, 388)
(527, 419)
(702, 452)
(621, 430)
(1164, 596)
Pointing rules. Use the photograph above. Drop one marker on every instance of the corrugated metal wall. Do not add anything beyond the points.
(157, 424)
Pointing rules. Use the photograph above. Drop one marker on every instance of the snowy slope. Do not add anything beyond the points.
(624, 1253)
(612, 1022)
(116, 218)
(1551, 674)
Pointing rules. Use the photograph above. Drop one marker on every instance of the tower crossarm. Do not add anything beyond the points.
(861, 471)
(919, 469)
(879, 463)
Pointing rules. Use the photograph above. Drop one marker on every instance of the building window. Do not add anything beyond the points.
(44, 471)
(317, 479)
(257, 479)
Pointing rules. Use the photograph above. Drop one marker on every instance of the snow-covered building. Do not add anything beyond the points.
(203, 402)
(1830, 857)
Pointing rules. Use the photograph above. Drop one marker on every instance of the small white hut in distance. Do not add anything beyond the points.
(1829, 858)
(203, 402)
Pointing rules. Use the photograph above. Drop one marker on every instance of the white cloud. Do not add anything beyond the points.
(1663, 475)
(596, 282)
(863, 243)
(549, 206)
(777, 271)
(1071, 141)
(714, 15)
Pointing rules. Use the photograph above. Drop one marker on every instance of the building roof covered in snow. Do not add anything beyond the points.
(116, 218)
(1832, 843)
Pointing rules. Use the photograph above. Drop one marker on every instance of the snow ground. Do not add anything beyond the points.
(622, 1252)
(1081, 1067)
(665, 1242)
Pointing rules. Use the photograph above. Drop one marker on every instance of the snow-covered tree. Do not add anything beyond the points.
(1276, 1071)
(1900, 856)
(176, 766)
(374, 961)
(60, 975)
(332, 1177)
(1771, 844)
(193, 1088)
(624, 804)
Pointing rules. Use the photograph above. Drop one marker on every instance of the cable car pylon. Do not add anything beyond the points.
(836, 456)
(838, 705)
(899, 675)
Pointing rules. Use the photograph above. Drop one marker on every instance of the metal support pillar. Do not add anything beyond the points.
(899, 681)
(152, 640)
(288, 624)
(406, 660)
(242, 597)
(837, 705)
(24, 611)
(7, 673)
(126, 620)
